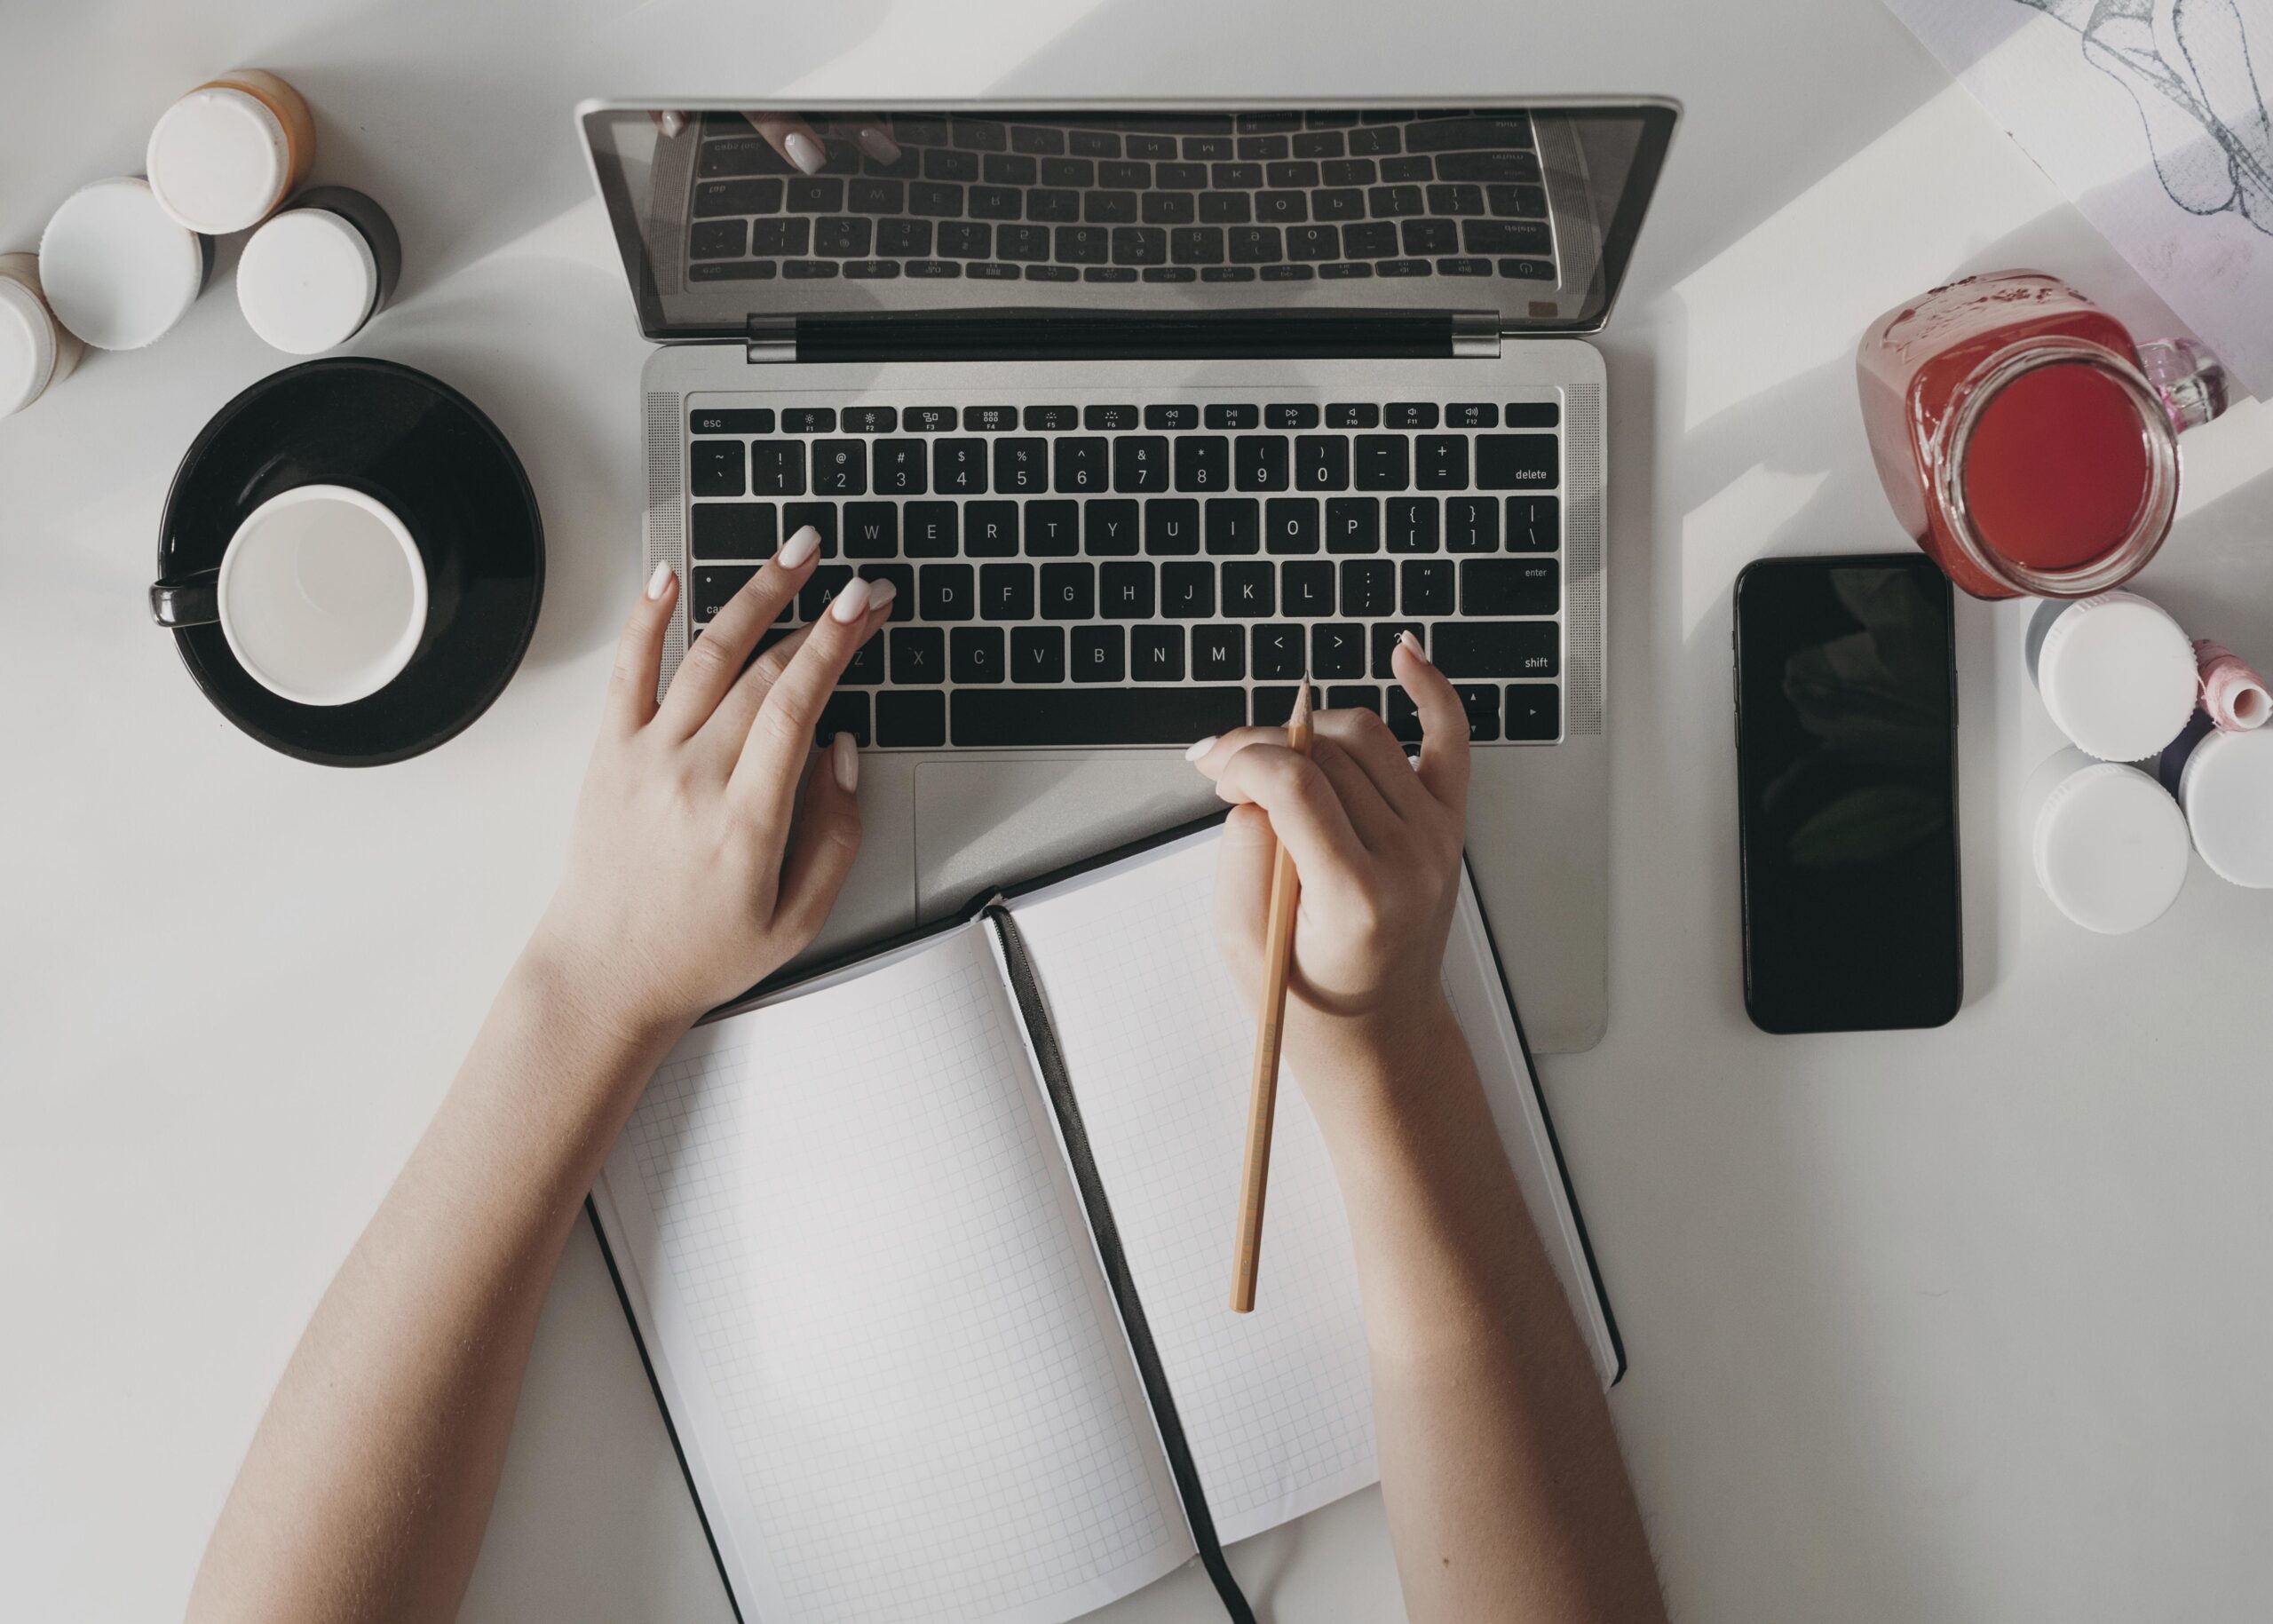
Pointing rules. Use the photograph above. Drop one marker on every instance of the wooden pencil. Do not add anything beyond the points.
(1263, 1098)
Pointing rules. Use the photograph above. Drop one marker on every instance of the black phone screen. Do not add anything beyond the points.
(1847, 767)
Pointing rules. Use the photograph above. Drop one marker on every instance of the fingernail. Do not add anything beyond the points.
(852, 603)
(670, 124)
(1200, 748)
(881, 592)
(799, 549)
(807, 153)
(845, 761)
(1412, 644)
(877, 144)
(659, 582)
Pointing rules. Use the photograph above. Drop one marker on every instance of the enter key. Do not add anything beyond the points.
(1496, 587)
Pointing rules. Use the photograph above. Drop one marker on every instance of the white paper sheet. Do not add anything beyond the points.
(2151, 116)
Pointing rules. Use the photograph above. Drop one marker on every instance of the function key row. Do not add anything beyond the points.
(1108, 419)
(1132, 464)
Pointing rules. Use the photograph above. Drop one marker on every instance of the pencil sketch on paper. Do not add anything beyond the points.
(2149, 116)
(2194, 83)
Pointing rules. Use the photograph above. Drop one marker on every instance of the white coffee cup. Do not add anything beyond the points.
(322, 595)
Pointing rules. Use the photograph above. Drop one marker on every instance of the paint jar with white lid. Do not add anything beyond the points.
(2107, 843)
(2224, 784)
(36, 351)
(223, 157)
(119, 271)
(2116, 671)
(314, 274)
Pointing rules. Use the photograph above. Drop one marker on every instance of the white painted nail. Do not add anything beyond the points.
(1200, 746)
(670, 124)
(881, 592)
(799, 547)
(807, 153)
(845, 761)
(659, 582)
(1411, 643)
(852, 603)
(877, 144)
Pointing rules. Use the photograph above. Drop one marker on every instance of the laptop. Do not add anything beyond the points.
(1150, 409)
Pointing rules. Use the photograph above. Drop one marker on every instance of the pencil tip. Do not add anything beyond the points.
(1302, 711)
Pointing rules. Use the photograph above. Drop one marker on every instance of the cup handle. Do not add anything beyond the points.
(193, 602)
(2193, 383)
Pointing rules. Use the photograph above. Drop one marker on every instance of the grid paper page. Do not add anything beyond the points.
(1276, 1404)
(866, 1270)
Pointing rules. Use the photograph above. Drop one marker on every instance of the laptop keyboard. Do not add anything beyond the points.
(1116, 574)
(1258, 197)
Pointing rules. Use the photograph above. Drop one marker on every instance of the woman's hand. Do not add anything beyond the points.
(699, 864)
(1377, 843)
(795, 139)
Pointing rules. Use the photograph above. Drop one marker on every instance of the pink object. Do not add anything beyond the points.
(2235, 696)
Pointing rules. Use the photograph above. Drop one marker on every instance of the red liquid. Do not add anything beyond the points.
(2057, 488)
(2056, 470)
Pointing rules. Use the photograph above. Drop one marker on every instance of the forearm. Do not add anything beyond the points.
(367, 1485)
(1507, 1499)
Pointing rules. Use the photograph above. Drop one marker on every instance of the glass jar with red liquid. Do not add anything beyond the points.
(2028, 444)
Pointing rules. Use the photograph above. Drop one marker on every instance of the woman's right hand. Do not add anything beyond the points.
(1376, 840)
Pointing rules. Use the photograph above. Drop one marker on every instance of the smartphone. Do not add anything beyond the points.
(1845, 685)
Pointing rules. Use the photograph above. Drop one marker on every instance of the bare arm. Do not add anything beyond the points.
(1507, 1499)
(367, 1488)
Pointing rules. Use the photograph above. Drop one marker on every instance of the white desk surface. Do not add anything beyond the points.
(1962, 1325)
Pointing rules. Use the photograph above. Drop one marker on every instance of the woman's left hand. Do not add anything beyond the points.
(706, 855)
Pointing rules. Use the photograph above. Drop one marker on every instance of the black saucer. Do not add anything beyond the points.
(424, 450)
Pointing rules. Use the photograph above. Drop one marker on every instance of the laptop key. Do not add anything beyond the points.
(1290, 524)
(1471, 524)
(1021, 465)
(1140, 463)
(1337, 649)
(1053, 206)
(844, 713)
(918, 655)
(1306, 588)
(902, 577)
(959, 466)
(1260, 462)
(1353, 524)
(820, 515)
(821, 588)
(975, 655)
(911, 720)
(1509, 586)
(1413, 523)
(1109, 527)
(840, 468)
(943, 591)
(872, 530)
(1498, 648)
(1225, 208)
(1188, 591)
(1368, 588)
(990, 530)
(1279, 653)
(716, 468)
(866, 668)
(1250, 589)
(1481, 701)
(1098, 654)
(1234, 525)
(1037, 653)
(1203, 462)
(1441, 461)
(732, 530)
(1517, 461)
(1534, 523)
(1534, 710)
(900, 468)
(1218, 654)
(1069, 592)
(1124, 591)
(1426, 586)
(1156, 654)
(714, 586)
(1172, 526)
(1081, 463)
(929, 529)
(1384, 463)
(1321, 461)
(1384, 636)
(1053, 529)
(1062, 717)
(1006, 591)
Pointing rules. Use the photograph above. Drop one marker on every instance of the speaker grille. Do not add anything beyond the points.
(1582, 541)
(665, 531)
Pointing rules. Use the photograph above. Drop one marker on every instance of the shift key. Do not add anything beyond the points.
(1497, 648)
(1516, 462)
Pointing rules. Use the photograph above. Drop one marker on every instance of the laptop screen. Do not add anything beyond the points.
(722, 214)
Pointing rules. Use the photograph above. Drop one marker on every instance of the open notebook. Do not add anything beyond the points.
(929, 1256)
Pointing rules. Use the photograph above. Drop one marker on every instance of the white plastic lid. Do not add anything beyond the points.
(2227, 788)
(218, 160)
(2110, 848)
(26, 346)
(117, 269)
(307, 280)
(2117, 674)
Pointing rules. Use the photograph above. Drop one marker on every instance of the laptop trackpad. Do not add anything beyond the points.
(993, 820)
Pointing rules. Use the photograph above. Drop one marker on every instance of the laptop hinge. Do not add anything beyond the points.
(1058, 334)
